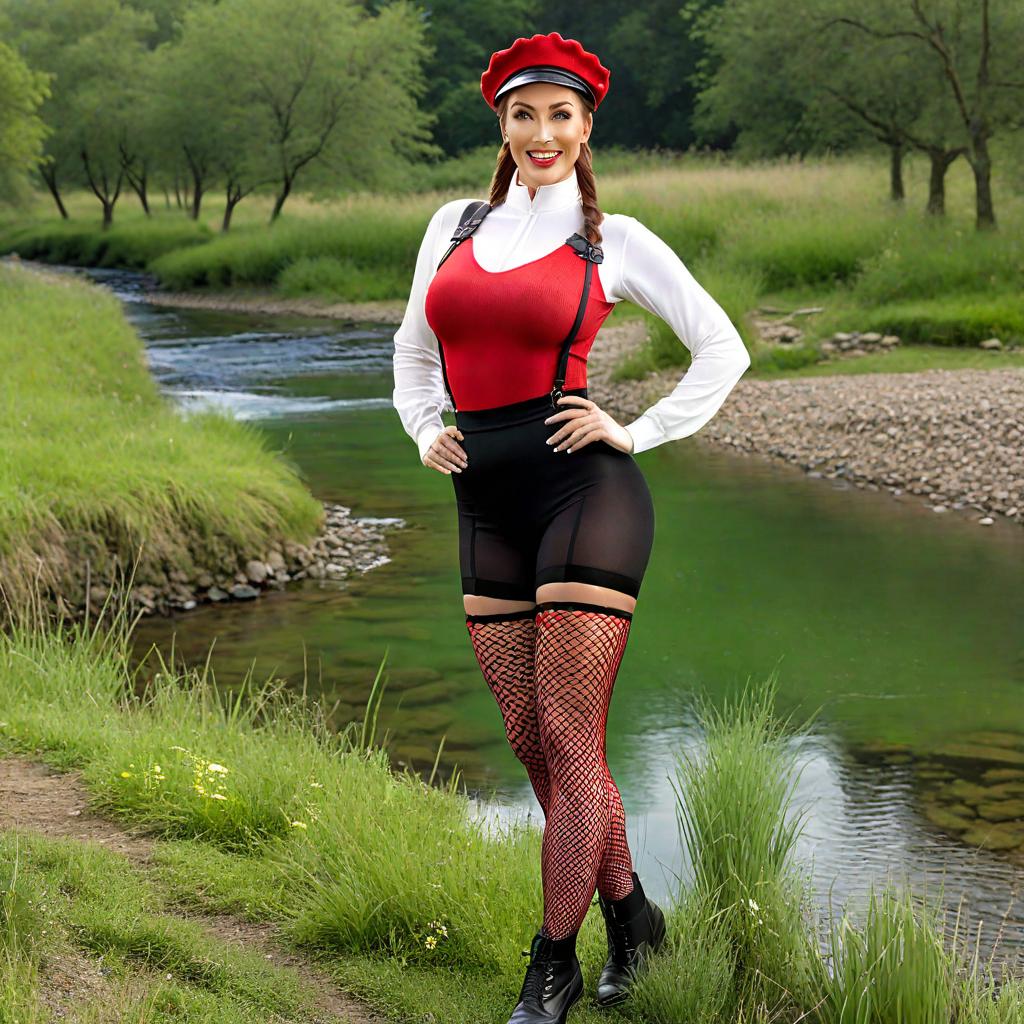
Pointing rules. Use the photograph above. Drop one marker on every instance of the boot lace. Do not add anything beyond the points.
(539, 977)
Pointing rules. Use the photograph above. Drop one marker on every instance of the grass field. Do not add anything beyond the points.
(785, 234)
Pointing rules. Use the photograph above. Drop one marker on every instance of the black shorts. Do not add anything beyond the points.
(529, 515)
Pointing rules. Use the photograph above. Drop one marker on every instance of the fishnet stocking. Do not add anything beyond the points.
(579, 648)
(504, 647)
(504, 644)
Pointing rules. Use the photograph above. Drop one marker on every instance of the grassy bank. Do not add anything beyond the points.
(101, 470)
(392, 885)
(787, 234)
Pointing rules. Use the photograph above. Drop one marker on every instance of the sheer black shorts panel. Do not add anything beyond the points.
(529, 515)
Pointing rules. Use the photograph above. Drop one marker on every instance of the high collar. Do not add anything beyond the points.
(556, 196)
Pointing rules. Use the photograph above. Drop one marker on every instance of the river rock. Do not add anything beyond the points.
(243, 592)
(979, 752)
(216, 594)
(1002, 810)
(255, 571)
(997, 836)
(947, 819)
(1003, 775)
(968, 792)
(996, 738)
(429, 693)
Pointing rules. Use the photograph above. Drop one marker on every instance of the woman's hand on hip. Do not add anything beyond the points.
(446, 454)
(581, 421)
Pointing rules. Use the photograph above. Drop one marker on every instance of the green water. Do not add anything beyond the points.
(898, 629)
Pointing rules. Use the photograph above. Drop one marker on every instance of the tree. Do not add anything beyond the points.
(93, 50)
(317, 88)
(22, 131)
(203, 120)
(978, 51)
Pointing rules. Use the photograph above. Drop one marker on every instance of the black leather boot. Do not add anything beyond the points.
(636, 928)
(552, 984)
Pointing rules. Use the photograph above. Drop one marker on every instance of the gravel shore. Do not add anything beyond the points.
(954, 437)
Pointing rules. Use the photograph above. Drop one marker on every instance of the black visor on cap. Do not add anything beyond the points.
(545, 73)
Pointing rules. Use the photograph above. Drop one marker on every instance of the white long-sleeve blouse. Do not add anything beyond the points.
(637, 265)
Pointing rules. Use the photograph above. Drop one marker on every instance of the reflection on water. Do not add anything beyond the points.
(895, 631)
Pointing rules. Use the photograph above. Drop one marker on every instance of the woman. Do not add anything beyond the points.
(555, 518)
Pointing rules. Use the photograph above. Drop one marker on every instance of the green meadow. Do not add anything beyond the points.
(781, 234)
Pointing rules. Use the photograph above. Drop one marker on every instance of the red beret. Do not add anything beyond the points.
(547, 58)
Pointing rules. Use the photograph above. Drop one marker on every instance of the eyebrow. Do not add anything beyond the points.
(520, 103)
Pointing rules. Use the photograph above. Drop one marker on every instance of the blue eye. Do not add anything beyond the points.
(567, 117)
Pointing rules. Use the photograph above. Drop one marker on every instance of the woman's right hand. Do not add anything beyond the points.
(446, 454)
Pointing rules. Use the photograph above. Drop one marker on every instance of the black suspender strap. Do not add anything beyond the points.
(472, 217)
(592, 254)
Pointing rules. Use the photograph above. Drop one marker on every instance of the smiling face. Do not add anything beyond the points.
(544, 118)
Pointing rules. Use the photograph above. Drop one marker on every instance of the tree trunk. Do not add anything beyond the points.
(896, 191)
(140, 191)
(48, 175)
(232, 198)
(937, 183)
(286, 188)
(108, 214)
(985, 214)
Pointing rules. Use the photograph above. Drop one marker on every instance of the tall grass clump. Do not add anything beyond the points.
(740, 948)
(894, 968)
(733, 803)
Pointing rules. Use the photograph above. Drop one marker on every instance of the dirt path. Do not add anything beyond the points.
(35, 798)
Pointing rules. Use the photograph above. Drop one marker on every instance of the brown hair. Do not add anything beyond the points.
(592, 215)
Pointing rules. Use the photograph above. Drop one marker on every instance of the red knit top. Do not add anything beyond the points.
(502, 332)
